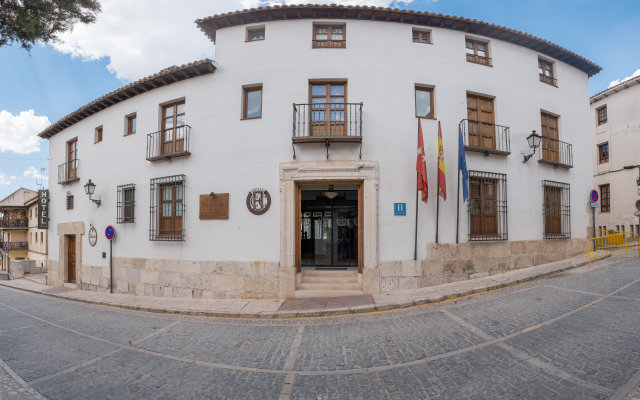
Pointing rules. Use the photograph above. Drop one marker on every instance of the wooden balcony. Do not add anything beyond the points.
(485, 138)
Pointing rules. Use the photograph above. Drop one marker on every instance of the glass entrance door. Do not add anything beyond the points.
(329, 228)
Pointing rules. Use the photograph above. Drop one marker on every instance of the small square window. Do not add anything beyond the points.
(546, 72)
(252, 102)
(424, 102)
(255, 33)
(602, 115)
(329, 36)
(477, 52)
(421, 36)
(130, 124)
(97, 136)
(603, 153)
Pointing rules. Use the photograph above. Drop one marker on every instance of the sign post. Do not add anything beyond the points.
(594, 204)
(638, 211)
(110, 233)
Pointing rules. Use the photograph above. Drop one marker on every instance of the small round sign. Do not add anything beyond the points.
(109, 232)
(93, 236)
(594, 196)
(637, 204)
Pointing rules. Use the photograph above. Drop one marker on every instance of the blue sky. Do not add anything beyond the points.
(93, 60)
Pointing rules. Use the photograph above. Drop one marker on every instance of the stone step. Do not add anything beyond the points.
(329, 279)
(330, 286)
(304, 293)
(337, 273)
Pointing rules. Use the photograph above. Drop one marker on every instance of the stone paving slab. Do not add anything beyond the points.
(279, 308)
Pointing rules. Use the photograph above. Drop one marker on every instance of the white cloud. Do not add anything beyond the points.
(18, 133)
(35, 173)
(4, 180)
(619, 81)
(144, 36)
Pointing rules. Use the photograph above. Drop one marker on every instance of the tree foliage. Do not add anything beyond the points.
(29, 21)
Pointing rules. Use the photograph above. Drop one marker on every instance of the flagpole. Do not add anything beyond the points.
(438, 186)
(458, 191)
(415, 240)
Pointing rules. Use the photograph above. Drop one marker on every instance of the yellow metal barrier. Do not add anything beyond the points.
(609, 242)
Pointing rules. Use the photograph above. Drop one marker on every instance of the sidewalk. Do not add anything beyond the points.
(304, 307)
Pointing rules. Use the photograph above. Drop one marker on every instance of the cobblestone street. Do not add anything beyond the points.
(574, 335)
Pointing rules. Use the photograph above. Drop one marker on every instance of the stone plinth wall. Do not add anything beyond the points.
(450, 262)
(185, 279)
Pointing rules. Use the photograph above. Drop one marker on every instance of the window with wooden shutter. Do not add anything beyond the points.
(167, 208)
(481, 126)
(556, 210)
(487, 206)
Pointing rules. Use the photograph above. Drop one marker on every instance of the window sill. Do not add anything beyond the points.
(421, 42)
(329, 44)
(129, 134)
(433, 118)
(250, 118)
(474, 59)
(254, 40)
(69, 181)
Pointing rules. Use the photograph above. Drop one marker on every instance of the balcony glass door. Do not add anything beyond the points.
(172, 128)
(328, 102)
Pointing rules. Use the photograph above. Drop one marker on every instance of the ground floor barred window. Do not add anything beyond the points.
(556, 210)
(487, 206)
(167, 208)
(126, 203)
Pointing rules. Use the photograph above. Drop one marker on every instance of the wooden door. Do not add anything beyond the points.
(72, 159)
(171, 198)
(483, 203)
(328, 113)
(552, 214)
(550, 144)
(173, 128)
(481, 122)
(71, 258)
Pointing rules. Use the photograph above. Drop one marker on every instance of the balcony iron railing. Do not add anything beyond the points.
(327, 122)
(14, 246)
(485, 138)
(556, 153)
(548, 80)
(474, 58)
(168, 143)
(13, 223)
(68, 172)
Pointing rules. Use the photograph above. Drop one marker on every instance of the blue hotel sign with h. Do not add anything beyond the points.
(399, 209)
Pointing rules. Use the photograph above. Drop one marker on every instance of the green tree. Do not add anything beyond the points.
(29, 21)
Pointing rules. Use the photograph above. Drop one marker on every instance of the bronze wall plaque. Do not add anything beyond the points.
(214, 207)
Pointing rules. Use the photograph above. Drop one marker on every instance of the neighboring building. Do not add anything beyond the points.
(615, 121)
(14, 226)
(38, 238)
(319, 106)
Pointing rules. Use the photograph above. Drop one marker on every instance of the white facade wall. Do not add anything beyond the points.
(381, 66)
(622, 132)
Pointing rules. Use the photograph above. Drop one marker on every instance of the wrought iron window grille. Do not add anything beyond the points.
(487, 206)
(556, 209)
(167, 208)
(126, 203)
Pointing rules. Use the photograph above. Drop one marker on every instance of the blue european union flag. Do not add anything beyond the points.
(462, 166)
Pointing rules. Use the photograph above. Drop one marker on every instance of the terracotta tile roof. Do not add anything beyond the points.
(210, 25)
(165, 77)
(614, 89)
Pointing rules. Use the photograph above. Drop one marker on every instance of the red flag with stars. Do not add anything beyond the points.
(421, 167)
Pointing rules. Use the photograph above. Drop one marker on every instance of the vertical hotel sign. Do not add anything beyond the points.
(43, 209)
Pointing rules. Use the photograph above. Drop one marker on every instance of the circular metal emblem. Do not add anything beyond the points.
(93, 236)
(258, 201)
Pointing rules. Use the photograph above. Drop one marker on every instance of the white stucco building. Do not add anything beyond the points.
(615, 127)
(319, 106)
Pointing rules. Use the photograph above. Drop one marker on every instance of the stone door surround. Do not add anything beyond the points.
(293, 174)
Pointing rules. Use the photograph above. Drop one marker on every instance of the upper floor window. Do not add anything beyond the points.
(130, 124)
(424, 102)
(252, 101)
(605, 198)
(68, 171)
(601, 112)
(478, 52)
(328, 102)
(550, 139)
(97, 136)
(421, 36)
(546, 72)
(173, 128)
(480, 113)
(329, 36)
(603, 153)
(255, 33)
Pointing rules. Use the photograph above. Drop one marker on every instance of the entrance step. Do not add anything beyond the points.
(70, 285)
(326, 293)
(329, 286)
(342, 282)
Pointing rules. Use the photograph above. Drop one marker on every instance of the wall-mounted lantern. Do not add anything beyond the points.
(534, 142)
(89, 188)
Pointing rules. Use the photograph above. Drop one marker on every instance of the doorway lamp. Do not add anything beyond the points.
(89, 188)
(534, 141)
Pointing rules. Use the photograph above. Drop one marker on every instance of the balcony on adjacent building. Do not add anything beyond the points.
(11, 246)
(68, 172)
(556, 153)
(168, 143)
(485, 138)
(326, 123)
(13, 223)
